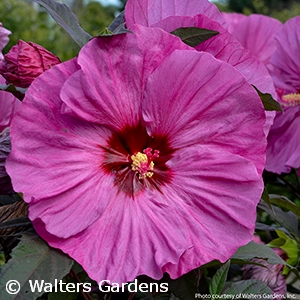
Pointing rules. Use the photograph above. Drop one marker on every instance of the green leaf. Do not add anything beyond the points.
(246, 262)
(233, 260)
(265, 197)
(285, 203)
(286, 219)
(9, 199)
(106, 32)
(212, 264)
(255, 250)
(218, 281)
(75, 276)
(264, 227)
(118, 25)
(2, 259)
(63, 296)
(247, 289)
(15, 223)
(33, 259)
(193, 36)
(59, 295)
(289, 246)
(16, 91)
(185, 286)
(64, 17)
(150, 296)
(268, 101)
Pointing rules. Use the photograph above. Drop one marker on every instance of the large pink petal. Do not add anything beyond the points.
(150, 12)
(225, 47)
(56, 154)
(220, 192)
(286, 58)
(294, 160)
(131, 238)
(213, 105)
(174, 230)
(256, 33)
(108, 88)
(233, 19)
(284, 141)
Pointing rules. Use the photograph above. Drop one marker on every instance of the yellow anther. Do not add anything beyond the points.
(137, 160)
(291, 99)
(142, 165)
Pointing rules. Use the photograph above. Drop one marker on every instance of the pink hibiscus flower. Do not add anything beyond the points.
(284, 137)
(8, 108)
(4, 33)
(203, 14)
(141, 157)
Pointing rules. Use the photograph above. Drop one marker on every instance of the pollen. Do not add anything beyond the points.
(142, 163)
(291, 99)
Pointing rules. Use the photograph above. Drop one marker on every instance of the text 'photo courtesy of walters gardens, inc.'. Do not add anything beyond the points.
(246, 296)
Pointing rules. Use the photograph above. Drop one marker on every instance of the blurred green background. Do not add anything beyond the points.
(279, 9)
(30, 22)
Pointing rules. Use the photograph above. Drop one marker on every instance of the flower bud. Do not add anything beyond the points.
(24, 62)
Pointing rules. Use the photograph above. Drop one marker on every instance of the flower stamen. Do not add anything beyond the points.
(291, 99)
(142, 163)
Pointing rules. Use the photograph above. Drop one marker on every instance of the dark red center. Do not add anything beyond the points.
(117, 159)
